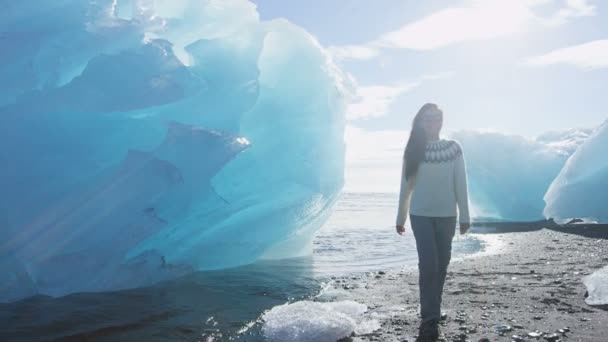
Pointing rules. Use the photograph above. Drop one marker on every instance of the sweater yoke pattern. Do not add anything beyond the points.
(442, 151)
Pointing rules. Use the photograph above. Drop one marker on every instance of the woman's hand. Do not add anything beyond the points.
(464, 227)
(400, 229)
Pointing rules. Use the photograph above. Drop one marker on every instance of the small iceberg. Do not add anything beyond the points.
(597, 287)
(314, 321)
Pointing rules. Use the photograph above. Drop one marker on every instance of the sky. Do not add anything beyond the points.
(517, 66)
(512, 66)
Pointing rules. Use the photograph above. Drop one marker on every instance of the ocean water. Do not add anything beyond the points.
(227, 304)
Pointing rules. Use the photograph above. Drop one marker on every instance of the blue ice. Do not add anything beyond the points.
(517, 178)
(143, 140)
(581, 188)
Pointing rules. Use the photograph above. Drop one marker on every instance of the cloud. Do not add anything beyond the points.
(587, 56)
(573, 9)
(353, 52)
(373, 159)
(437, 76)
(479, 20)
(376, 100)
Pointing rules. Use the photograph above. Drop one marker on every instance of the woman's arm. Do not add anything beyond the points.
(405, 194)
(460, 185)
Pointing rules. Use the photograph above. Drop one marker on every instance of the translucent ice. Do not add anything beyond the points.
(509, 174)
(144, 144)
(581, 188)
(597, 287)
(314, 321)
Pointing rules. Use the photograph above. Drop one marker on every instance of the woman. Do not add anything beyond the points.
(433, 184)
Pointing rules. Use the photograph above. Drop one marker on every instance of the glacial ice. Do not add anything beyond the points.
(581, 188)
(316, 321)
(509, 174)
(597, 287)
(136, 148)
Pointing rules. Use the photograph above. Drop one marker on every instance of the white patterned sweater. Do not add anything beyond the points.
(440, 185)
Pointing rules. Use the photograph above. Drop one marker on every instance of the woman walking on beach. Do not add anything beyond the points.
(433, 185)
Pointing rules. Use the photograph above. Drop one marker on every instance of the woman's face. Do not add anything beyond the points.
(432, 120)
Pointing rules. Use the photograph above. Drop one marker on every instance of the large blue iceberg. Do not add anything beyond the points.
(581, 188)
(141, 142)
(510, 174)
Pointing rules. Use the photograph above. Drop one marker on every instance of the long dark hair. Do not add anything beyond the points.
(416, 144)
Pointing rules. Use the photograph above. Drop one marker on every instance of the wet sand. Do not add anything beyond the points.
(526, 289)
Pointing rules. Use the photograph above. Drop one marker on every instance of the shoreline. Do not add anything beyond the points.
(529, 287)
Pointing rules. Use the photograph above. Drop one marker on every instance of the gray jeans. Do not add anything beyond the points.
(434, 244)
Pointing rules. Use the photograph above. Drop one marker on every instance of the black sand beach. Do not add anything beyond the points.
(528, 288)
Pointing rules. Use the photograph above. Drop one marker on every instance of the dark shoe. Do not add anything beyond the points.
(425, 339)
(428, 331)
